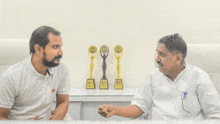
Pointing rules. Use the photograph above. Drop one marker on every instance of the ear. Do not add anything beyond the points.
(179, 58)
(38, 49)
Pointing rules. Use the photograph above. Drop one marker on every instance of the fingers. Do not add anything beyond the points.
(104, 111)
(103, 114)
(104, 107)
(110, 114)
(50, 118)
(101, 107)
(36, 117)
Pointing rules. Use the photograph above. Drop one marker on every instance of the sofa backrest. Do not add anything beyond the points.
(12, 51)
(206, 57)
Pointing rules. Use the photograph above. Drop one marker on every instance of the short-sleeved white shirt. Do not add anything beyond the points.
(28, 93)
(163, 99)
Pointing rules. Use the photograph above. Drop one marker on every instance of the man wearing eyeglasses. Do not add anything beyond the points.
(174, 90)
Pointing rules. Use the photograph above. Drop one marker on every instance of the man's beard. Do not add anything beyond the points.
(50, 63)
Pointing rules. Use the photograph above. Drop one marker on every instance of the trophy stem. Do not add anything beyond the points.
(118, 68)
(91, 68)
(104, 66)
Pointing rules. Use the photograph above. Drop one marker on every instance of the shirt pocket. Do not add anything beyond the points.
(53, 94)
(190, 104)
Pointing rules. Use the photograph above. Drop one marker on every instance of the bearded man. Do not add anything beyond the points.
(28, 89)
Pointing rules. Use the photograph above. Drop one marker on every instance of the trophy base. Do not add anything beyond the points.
(103, 84)
(90, 84)
(118, 84)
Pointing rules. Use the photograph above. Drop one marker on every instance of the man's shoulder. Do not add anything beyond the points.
(15, 69)
(197, 74)
(196, 70)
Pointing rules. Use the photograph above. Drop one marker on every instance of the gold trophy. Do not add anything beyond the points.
(90, 84)
(104, 53)
(118, 51)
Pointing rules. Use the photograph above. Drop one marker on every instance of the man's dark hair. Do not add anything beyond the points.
(40, 36)
(175, 44)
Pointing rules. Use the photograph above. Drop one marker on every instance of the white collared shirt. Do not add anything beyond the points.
(28, 93)
(164, 99)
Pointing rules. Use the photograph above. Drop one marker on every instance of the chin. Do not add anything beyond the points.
(161, 70)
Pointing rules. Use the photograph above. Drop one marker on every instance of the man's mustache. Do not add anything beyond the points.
(57, 57)
(158, 62)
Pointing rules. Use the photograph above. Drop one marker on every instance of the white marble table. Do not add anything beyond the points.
(84, 103)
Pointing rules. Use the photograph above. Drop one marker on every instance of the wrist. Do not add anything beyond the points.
(115, 108)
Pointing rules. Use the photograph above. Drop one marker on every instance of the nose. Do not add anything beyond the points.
(60, 52)
(157, 57)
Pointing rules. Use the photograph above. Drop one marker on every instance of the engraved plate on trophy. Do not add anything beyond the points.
(118, 51)
(104, 51)
(90, 84)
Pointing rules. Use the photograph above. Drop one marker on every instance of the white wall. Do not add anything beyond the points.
(136, 25)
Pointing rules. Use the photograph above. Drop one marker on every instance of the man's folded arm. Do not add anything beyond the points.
(62, 105)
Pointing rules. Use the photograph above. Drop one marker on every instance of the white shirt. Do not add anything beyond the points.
(28, 93)
(163, 99)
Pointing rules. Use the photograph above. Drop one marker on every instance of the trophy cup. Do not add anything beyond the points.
(118, 51)
(90, 84)
(104, 51)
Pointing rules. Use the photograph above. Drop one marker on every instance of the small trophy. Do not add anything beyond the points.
(104, 51)
(90, 84)
(118, 51)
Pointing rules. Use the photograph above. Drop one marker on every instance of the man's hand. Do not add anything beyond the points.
(130, 111)
(51, 117)
(106, 110)
(36, 117)
(4, 113)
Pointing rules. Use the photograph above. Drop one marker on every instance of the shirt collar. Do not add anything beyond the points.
(182, 73)
(34, 72)
(50, 71)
